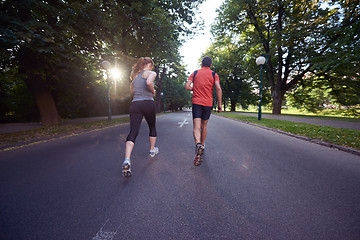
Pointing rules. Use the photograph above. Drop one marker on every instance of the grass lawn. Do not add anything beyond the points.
(338, 136)
(328, 114)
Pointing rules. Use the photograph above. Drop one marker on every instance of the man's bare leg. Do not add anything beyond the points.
(203, 131)
(197, 130)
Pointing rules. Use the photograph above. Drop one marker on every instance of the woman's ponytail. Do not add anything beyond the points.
(139, 66)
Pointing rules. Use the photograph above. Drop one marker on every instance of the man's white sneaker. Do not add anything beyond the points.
(199, 149)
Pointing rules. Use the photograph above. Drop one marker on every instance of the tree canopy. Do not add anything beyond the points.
(227, 61)
(300, 38)
(55, 48)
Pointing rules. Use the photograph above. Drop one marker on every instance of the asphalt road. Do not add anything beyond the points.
(253, 184)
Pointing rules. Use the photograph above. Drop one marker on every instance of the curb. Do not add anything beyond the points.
(316, 141)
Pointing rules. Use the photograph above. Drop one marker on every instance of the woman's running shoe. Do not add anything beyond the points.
(126, 168)
(152, 153)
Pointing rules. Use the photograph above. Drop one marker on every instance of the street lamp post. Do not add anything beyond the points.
(260, 61)
(107, 65)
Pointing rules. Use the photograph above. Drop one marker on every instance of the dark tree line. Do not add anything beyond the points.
(51, 53)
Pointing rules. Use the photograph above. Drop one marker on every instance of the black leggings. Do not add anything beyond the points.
(138, 109)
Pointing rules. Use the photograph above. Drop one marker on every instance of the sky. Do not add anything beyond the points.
(193, 48)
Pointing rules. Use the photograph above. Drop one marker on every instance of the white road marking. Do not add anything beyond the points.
(109, 235)
(106, 235)
(183, 122)
(100, 235)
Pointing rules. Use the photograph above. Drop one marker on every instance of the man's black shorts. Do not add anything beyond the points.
(199, 111)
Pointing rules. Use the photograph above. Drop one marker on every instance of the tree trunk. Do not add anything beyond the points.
(30, 70)
(277, 101)
(44, 101)
(233, 106)
(48, 111)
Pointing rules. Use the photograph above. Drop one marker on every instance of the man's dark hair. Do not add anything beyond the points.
(206, 62)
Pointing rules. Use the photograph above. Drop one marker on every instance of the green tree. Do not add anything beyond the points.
(175, 95)
(338, 67)
(58, 45)
(228, 62)
(291, 32)
(15, 100)
(311, 96)
(40, 39)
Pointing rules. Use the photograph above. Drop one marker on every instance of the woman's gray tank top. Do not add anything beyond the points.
(141, 89)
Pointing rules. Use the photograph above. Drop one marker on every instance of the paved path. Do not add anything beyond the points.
(252, 184)
(16, 127)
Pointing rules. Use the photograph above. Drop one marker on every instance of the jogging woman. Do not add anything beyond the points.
(142, 105)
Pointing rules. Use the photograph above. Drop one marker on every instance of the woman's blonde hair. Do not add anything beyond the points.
(139, 66)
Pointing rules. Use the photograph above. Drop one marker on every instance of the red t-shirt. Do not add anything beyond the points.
(203, 86)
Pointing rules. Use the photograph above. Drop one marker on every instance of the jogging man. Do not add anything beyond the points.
(202, 82)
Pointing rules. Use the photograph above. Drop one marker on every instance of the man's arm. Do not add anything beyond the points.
(218, 94)
(188, 85)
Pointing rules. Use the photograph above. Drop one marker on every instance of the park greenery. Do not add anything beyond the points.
(51, 53)
(337, 136)
(311, 47)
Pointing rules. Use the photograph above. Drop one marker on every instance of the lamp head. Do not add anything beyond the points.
(260, 60)
(106, 65)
